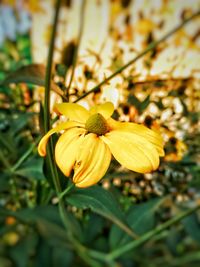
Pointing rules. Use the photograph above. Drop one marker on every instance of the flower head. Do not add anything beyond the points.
(91, 137)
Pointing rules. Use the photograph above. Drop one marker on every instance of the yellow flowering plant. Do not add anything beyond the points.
(82, 223)
(90, 137)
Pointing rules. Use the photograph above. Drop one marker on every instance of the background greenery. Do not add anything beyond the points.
(128, 219)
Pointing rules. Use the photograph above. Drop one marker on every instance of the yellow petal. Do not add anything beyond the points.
(84, 156)
(106, 109)
(73, 111)
(152, 136)
(132, 151)
(45, 138)
(67, 148)
(92, 161)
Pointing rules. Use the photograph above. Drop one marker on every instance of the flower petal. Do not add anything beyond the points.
(140, 130)
(92, 160)
(73, 111)
(45, 138)
(67, 148)
(132, 151)
(106, 109)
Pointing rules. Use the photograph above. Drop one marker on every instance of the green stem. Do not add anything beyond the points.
(182, 261)
(66, 191)
(50, 158)
(136, 243)
(25, 155)
(144, 52)
(49, 70)
(77, 45)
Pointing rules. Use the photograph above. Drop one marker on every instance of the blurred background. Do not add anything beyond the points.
(160, 90)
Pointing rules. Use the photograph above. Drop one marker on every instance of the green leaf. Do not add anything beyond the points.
(48, 220)
(101, 202)
(32, 169)
(33, 73)
(173, 239)
(53, 233)
(4, 182)
(141, 106)
(21, 252)
(133, 100)
(31, 215)
(144, 104)
(43, 255)
(192, 226)
(93, 228)
(62, 257)
(19, 122)
(141, 219)
(61, 70)
(52, 254)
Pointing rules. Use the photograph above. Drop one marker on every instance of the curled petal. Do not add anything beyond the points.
(152, 136)
(45, 138)
(106, 110)
(67, 148)
(92, 161)
(73, 111)
(132, 151)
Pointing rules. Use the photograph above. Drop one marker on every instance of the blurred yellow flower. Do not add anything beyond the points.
(177, 150)
(144, 26)
(90, 137)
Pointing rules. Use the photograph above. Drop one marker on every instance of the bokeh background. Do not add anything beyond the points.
(160, 90)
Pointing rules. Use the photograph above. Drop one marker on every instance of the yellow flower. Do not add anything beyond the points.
(178, 150)
(90, 137)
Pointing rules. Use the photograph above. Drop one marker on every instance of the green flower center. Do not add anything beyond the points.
(97, 124)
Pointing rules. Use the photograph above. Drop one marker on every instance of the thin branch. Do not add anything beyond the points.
(136, 243)
(144, 52)
(82, 11)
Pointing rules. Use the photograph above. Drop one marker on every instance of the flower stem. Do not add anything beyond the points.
(50, 157)
(25, 155)
(144, 52)
(49, 70)
(71, 230)
(47, 97)
(77, 45)
(136, 243)
(66, 191)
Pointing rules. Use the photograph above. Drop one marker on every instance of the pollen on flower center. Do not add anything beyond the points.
(96, 124)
